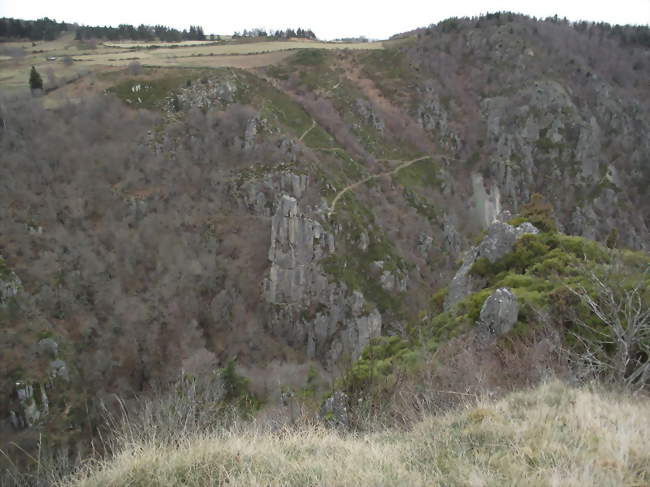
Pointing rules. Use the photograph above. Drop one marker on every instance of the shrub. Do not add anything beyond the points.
(35, 80)
(538, 212)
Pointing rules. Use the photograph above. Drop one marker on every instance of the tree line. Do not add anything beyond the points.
(44, 29)
(277, 34)
(140, 33)
(627, 35)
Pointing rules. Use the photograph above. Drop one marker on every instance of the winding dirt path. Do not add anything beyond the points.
(374, 176)
(304, 134)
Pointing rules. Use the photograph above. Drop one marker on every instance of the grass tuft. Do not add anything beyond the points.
(552, 435)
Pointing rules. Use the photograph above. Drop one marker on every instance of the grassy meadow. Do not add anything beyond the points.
(554, 435)
(16, 58)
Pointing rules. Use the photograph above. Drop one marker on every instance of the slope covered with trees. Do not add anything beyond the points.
(339, 220)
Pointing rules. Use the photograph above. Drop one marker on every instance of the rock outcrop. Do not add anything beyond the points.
(551, 138)
(297, 244)
(499, 241)
(10, 284)
(324, 317)
(499, 313)
(33, 405)
(335, 410)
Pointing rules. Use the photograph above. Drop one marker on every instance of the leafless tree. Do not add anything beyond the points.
(617, 347)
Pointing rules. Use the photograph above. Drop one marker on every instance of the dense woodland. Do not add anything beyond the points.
(139, 222)
(140, 33)
(35, 30)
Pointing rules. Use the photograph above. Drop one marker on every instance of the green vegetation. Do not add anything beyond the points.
(360, 269)
(538, 212)
(378, 363)
(35, 80)
(5, 270)
(540, 270)
(389, 70)
(236, 390)
(309, 57)
(152, 93)
(424, 173)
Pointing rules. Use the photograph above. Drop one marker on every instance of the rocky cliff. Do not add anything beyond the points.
(290, 214)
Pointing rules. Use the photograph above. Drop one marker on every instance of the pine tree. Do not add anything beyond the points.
(35, 80)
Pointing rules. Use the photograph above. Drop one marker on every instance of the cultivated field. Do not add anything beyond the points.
(16, 58)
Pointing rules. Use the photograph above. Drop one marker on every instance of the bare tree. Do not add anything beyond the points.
(617, 346)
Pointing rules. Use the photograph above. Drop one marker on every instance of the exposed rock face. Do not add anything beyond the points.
(342, 323)
(260, 195)
(335, 410)
(430, 114)
(10, 284)
(33, 405)
(487, 204)
(344, 327)
(499, 312)
(551, 138)
(208, 92)
(369, 114)
(297, 244)
(499, 241)
(250, 134)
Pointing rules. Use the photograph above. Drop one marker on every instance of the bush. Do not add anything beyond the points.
(538, 212)
(35, 80)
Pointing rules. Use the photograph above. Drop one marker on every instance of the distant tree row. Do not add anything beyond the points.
(627, 35)
(140, 33)
(277, 34)
(36, 30)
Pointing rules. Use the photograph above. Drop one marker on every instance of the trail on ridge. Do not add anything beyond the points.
(374, 176)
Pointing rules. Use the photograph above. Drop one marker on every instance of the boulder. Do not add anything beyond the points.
(499, 241)
(499, 312)
(335, 410)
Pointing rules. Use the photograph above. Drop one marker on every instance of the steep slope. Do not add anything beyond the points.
(286, 216)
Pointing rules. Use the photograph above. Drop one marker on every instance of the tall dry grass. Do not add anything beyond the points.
(553, 435)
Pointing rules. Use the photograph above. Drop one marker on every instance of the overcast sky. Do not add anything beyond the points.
(329, 19)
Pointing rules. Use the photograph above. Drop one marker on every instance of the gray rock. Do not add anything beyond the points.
(540, 133)
(499, 312)
(393, 281)
(10, 284)
(49, 347)
(250, 134)
(33, 405)
(424, 243)
(499, 241)
(59, 369)
(296, 285)
(369, 114)
(335, 410)
(297, 244)
(211, 92)
(260, 195)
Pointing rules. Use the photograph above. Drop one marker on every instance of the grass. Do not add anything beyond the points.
(552, 435)
(209, 55)
(423, 173)
(152, 92)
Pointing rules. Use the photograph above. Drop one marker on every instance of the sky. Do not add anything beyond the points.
(329, 19)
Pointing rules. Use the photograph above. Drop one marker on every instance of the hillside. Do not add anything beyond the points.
(357, 220)
(552, 435)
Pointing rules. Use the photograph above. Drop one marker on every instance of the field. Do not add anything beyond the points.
(16, 58)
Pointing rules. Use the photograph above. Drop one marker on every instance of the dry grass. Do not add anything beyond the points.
(551, 436)
(15, 72)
